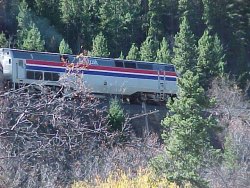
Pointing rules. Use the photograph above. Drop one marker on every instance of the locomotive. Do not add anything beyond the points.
(129, 78)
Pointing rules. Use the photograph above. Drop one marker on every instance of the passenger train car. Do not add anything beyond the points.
(101, 75)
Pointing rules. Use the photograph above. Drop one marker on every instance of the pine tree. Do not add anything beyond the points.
(185, 55)
(155, 13)
(24, 20)
(100, 47)
(133, 53)
(148, 49)
(64, 48)
(3, 41)
(163, 53)
(119, 22)
(219, 55)
(210, 58)
(75, 15)
(238, 23)
(121, 56)
(186, 136)
(33, 40)
(116, 115)
(24, 17)
(208, 14)
(192, 11)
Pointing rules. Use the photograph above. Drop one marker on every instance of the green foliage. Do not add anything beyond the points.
(24, 19)
(116, 116)
(100, 47)
(75, 17)
(133, 53)
(163, 53)
(124, 22)
(185, 55)
(186, 136)
(148, 49)
(47, 9)
(49, 33)
(120, 21)
(210, 58)
(64, 48)
(121, 56)
(33, 40)
(192, 11)
(209, 13)
(230, 156)
(3, 41)
(154, 14)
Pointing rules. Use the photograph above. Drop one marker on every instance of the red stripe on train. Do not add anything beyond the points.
(95, 67)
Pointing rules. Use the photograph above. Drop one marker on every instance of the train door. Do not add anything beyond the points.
(161, 82)
(20, 70)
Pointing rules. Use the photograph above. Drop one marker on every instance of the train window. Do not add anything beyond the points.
(47, 76)
(146, 66)
(50, 76)
(38, 75)
(9, 61)
(102, 62)
(130, 64)
(118, 63)
(169, 68)
(55, 76)
(30, 75)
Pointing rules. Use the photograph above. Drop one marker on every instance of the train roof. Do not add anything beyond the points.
(55, 57)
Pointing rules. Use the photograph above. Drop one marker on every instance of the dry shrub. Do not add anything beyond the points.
(50, 140)
(233, 111)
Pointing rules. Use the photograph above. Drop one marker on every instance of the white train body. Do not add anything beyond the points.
(102, 75)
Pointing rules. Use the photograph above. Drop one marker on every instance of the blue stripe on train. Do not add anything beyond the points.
(91, 72)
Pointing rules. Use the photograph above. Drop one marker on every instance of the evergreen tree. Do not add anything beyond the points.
(210, 58)
(100, 47)
(120, 21)
(155, 13)
(238, 16)
(192, 11)
(3, 41)
(148, 49)
(133, 53)
(163, 53)
(48, 9)
(208, 14)
(75, 16)
(24, 20)
(185, 55)
(116, 115)
(24, 17)
(64, 48)
(121, 56)
(186, 136)
(33, 40)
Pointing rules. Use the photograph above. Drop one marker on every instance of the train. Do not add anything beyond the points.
(102, 76)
